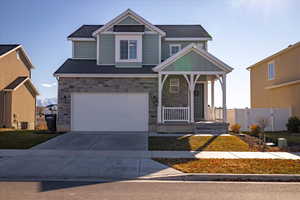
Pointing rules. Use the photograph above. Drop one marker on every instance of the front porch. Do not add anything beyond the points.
(183, 81)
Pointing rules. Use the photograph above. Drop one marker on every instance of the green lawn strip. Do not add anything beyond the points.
(233, 166)
(197, 143)
(23, 139)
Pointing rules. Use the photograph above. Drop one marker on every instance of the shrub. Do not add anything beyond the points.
(293, 124)
(254, 129)
(235, 128)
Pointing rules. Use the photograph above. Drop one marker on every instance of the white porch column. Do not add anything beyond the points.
(192, 88)
(159, 98)
(224, 97)
(212, 99)
(212, 93)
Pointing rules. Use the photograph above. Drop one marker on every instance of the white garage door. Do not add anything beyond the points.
(109, 112)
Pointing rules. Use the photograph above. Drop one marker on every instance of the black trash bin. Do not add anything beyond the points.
(51, 121)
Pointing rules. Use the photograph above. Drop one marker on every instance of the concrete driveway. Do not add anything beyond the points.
(108, 141)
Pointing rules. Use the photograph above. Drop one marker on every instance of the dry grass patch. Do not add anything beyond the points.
(197, 143)
(234, 166)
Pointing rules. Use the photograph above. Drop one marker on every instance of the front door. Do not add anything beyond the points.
(199, 102)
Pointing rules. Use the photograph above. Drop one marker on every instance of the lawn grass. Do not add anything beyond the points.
(234, 166)
(23, 139)
(197, 143)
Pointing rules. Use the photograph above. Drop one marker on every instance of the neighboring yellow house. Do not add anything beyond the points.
(275, 81)
(17, 93)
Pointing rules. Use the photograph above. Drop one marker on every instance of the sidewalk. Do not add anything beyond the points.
(153, 154)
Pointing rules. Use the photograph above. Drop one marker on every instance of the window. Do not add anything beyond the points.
(174, 85)
(271, 70)
(174, 48)
(128, 49)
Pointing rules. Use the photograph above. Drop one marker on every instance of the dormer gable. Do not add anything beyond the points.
(128, 17)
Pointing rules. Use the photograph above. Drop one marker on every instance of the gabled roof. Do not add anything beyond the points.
(85, 31)
(7, 48)
(190, 31)
(290, 47)
(172, 31)
(135, 16)
(18, 82)
(186, 50)
(85, 66)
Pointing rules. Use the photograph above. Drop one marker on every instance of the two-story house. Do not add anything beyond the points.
(275, 80)
(131, 75)
(17, 93)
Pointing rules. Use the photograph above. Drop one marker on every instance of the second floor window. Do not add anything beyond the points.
(128, 49)
(174, 48)
(271, 71)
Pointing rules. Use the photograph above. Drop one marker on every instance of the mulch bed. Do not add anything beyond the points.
(254, 144)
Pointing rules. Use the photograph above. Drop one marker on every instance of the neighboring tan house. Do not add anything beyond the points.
(131, 75)
(17, 93)
(275, 81)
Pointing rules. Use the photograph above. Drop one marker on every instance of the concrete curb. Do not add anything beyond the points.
(237, 177)
(184, 177)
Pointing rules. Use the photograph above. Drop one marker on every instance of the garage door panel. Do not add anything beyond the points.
(110, 112)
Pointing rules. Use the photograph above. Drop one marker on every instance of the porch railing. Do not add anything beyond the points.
(175, 114)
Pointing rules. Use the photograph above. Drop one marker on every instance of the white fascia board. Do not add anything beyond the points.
(10, 51)
(132, 14)
(188, 39)
(109, 75)
(193, 72)
(81, 39)
(26, 56)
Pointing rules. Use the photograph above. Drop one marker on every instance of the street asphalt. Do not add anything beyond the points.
(145, 190)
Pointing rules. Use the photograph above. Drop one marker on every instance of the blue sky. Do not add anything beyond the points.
(244, 31)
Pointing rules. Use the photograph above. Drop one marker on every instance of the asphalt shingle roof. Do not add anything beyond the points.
(84, 66)
(86, 31)
(7, 47)
(16, 83)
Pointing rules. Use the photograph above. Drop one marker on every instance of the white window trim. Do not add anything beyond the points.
(174, 45)
(174, 84)
(274, 71)
(138, 38)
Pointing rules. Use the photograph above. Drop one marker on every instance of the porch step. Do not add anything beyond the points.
(175, 128)
(211, 127)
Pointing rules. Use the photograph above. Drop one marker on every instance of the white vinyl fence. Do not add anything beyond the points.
(276, 117)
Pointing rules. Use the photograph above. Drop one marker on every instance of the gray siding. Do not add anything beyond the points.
(150, 49)
(107, 49)
(192, 62)
(165, 47)
(128, 20)
(85, 49)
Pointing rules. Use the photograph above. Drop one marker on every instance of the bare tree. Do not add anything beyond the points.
(263, 123)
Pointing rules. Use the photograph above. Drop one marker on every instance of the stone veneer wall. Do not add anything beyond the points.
(68, 85)
(176, 99)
